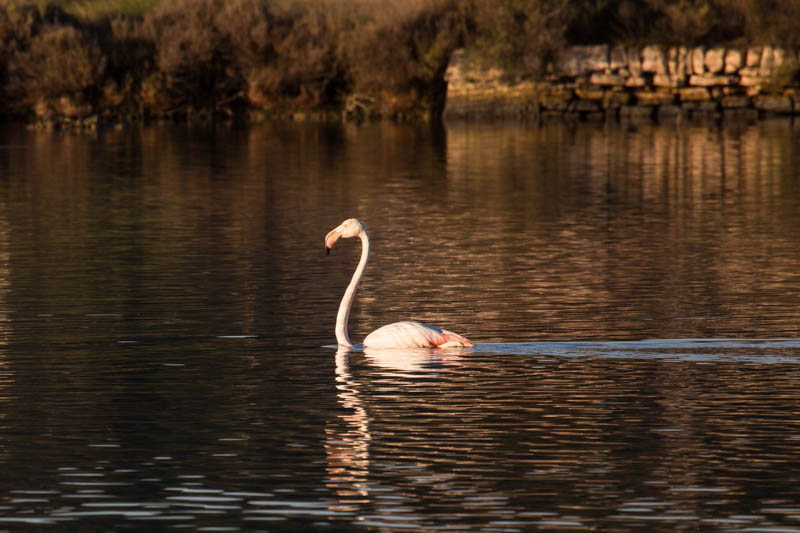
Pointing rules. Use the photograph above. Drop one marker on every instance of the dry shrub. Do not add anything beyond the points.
(60, 72)
(195, 61)
(130, 60)
(19, 22)
(522, 36)
(289, 58)
(401, 56)
(627, 22)
(213, 54)
(686, 22)
(775, 22)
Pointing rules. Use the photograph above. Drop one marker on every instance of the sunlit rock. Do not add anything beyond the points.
(698, 60)
(709, 80)
(634, 57)
(676, 64)
(693, 94)
(635, 81)
(618, 59)
(653, 60)
(583, 60)
(589, 93)
(655, 98)
(599, 78)
(767, 62)
(773, 103)
(750, 77)
(665, 80)
(753, 57)
(714, 61)
(733, 61)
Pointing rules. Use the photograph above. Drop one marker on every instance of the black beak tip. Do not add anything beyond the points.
(327, 251)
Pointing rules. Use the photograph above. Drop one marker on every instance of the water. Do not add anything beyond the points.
(167, 309)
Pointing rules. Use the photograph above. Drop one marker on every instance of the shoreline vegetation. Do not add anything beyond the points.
(85, 62)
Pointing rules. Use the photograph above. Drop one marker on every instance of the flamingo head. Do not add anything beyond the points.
(352, 227)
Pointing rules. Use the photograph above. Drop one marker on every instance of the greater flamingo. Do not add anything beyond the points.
(397, 335)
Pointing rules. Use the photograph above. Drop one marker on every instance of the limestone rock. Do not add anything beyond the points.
(693, 94)
(583, 60)
(596, 81)
(682, 69)
(708, 80)
(715, 60)
(635, 81)
(698, 60)
(653, 60)
(773, 104)
(664, 80)
(749, 77)
(654, 98)
(676, 64)
(618, 59)
(634, 57)
(589, 93)
(753, 57)
(778, 56)
(733, 61)
(767, 62)
(602, 79)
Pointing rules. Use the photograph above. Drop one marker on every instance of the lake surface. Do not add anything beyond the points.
(167, 312)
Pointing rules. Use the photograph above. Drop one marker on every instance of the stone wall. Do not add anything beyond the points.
(600, 82)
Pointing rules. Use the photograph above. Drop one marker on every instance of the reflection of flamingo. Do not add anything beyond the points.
(397, 335)
(347, 443)
(413, 361)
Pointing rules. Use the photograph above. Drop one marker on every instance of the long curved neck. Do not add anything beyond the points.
(342, 337)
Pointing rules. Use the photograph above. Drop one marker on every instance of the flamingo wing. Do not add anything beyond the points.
(413, 335)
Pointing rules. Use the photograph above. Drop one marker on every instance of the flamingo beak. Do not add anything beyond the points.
(331, 238)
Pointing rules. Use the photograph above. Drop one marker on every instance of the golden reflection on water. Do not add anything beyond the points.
(504, 233)
(682, 222)
(163, 238)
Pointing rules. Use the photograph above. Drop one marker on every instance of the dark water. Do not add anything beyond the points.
(165, 307)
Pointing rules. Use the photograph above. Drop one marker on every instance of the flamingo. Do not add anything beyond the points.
(405, 334)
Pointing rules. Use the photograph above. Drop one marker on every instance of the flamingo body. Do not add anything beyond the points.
(397, 335)
(413, 335)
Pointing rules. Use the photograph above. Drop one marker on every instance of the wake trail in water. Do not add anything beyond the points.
(779, 350)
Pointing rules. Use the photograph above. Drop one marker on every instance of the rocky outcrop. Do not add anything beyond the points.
(598, 82)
